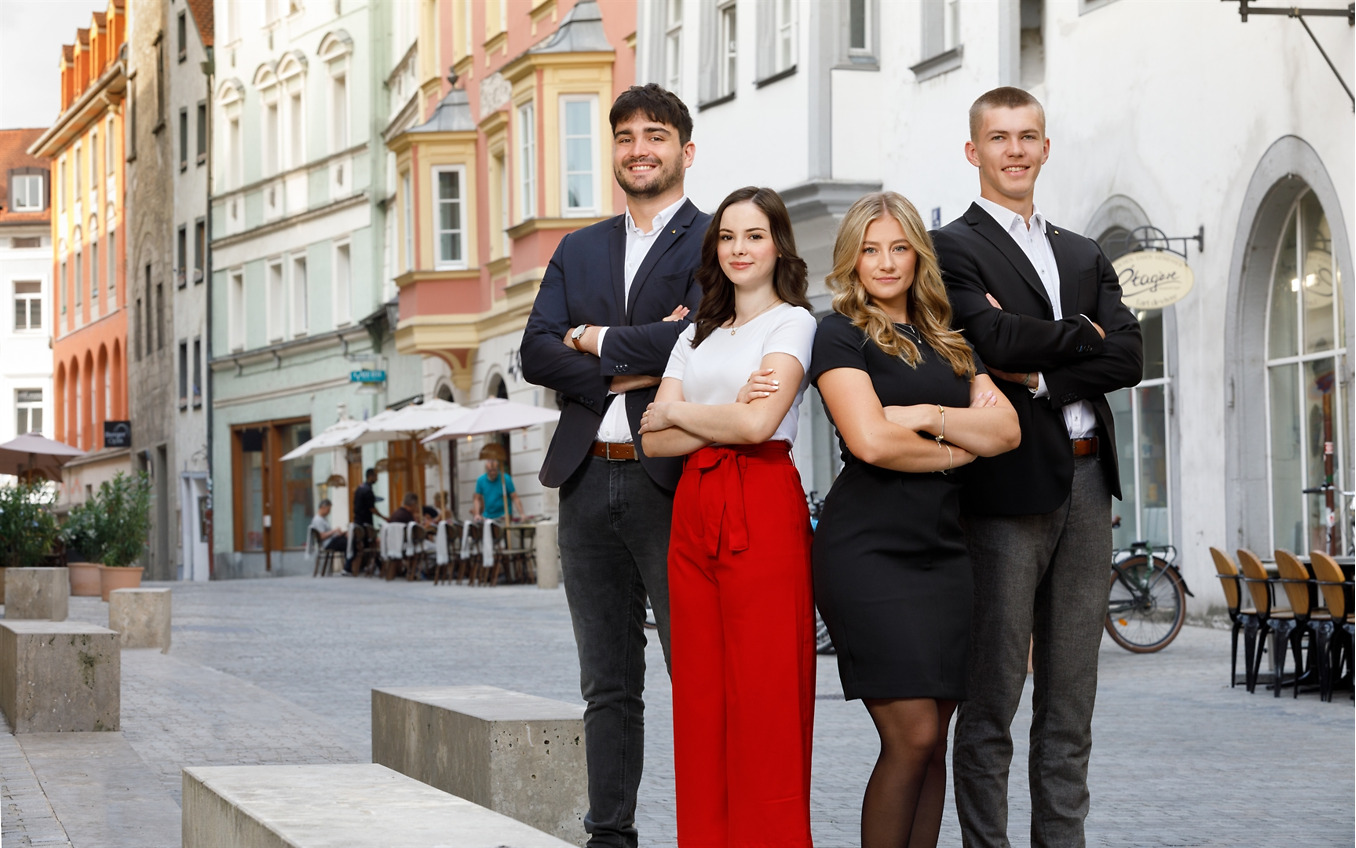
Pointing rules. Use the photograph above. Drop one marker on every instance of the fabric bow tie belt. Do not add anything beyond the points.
(720, 491)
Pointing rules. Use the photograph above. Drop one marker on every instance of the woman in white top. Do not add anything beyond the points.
(741, 610)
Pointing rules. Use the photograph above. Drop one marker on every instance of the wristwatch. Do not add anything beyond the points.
(578, 334)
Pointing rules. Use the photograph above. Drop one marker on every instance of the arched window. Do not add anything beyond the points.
(1306, 410)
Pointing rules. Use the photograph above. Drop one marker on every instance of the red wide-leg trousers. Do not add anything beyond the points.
(742, 640)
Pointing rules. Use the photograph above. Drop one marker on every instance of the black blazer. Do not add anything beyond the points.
(585, 283)
(978, 257)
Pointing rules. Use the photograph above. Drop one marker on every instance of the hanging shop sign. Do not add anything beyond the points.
(117, 434)
(1153, 279)
(367, 376)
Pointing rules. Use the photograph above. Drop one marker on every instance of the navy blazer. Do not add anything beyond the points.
(978, 258)
(585, 284)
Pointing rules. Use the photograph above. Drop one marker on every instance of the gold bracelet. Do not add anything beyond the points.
(942, 434)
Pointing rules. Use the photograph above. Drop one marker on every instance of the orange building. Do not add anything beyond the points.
(88, 317)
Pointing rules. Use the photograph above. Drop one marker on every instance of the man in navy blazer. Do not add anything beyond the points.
(610, 308)
(1042, 307)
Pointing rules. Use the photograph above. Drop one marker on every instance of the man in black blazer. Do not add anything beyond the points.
(1042, 307)
(609, 311)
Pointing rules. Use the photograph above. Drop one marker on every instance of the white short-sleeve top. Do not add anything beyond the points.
(713, 372)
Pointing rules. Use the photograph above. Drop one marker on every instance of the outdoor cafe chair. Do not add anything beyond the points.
(324, 557)
(1278, 623)
(392, 549)
(1244, 617)
(1334, 587)
(1310, 620)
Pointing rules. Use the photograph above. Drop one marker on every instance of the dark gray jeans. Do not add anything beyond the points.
(614, 542)
(1043, 577)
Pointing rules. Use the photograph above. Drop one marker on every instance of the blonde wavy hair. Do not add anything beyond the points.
(929, 308)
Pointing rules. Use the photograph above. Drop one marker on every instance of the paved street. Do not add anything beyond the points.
(281, 670)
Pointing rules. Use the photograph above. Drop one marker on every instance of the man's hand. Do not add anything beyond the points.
(993, 301)
(628, 382)
(761, 383)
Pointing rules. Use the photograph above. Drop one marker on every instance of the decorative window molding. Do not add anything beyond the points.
(449, 217)
(527, 161)
(579, 157)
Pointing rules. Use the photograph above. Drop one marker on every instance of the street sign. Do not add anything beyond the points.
(367, 376)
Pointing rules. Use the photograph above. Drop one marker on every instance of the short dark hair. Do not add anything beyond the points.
(657, 104)
(324, 502)
(369, 472)
(1004, 97)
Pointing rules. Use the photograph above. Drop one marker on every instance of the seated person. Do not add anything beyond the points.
(489, 497)
(331, 538)
(405, 513)
(429, 517)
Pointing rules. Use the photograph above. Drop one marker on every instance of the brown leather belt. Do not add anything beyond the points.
(1084, 447)
(615, 451)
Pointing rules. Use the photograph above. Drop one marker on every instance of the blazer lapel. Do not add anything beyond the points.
(986, 226)
(616, 251)
(673, 231)
(1068, 272)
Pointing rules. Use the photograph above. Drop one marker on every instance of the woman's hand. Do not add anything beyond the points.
(761, 383)
(983, 400)
(655, 418)
(678, 314)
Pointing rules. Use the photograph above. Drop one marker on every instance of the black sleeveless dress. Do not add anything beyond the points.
(891, 573)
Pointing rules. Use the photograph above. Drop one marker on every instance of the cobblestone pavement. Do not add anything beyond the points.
(281, 671)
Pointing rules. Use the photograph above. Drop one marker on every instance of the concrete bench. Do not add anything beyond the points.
(59, 676)
(334, 805)
(141, 617)
(517, 754)
(37, 593)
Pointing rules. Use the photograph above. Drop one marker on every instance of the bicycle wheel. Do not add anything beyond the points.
(1146, 606)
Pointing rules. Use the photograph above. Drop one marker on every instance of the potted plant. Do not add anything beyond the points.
(28, 528)
(79, 532)
(121, 521)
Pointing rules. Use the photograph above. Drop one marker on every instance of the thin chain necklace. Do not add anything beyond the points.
(735, 328)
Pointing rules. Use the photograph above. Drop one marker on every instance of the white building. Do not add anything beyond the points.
(1178, 116)
(25, 288)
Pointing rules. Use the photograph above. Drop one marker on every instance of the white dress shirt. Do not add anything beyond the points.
(615, 427)
(1079, 416)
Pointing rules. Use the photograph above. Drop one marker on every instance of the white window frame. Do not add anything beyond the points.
(299, 305)
(26, 408)
(339, 109)
(440, 262)
(235, 307)
(110, 284)
(527, 161)
(566, 210)
(727, 52)
(784, 37)
(108, 149)
(950, 24)
(23, 305)
(93, 163)
(93, 274)
(275, 300)
(342, 295)
(294, 124)
(271, 133)
(673, 44)
(21, 199)
(407, 220)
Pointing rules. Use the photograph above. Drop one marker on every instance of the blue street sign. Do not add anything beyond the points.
(367, 376)
(936, 217)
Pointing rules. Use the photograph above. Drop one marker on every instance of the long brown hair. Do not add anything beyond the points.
(929, 308)
(789, 280)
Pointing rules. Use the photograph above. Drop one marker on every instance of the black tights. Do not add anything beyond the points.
(902, 807)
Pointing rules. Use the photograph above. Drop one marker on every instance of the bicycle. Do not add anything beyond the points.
(1146, 606)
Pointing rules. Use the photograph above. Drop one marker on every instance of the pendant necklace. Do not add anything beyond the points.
(734, 329)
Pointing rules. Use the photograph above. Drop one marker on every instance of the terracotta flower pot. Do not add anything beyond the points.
(128, 577)
(85, 579)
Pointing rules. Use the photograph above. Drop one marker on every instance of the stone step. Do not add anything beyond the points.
(327, 806)
(37, 593)
(520, 755)
(141, 617)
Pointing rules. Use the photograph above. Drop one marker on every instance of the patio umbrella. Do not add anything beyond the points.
(413, 421)
(494, 415)
(32, 454)
(339, 434)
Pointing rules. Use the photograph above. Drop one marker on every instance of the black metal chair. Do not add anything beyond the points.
(324, 557)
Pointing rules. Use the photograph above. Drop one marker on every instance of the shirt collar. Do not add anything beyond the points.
(660, 219)
(1007, 219)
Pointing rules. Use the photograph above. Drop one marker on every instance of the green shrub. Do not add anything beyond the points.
(111, 527)
(28, 528)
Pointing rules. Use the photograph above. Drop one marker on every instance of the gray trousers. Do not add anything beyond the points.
(1044, 578)
(614, 541)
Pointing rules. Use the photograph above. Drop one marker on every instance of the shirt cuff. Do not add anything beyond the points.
(1041, 390)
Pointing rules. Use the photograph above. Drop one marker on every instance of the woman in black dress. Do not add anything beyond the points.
(892, 577)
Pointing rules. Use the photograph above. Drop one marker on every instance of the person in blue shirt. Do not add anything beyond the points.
(489, 497)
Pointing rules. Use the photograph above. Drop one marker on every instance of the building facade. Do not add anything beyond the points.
(296, 298)
(87, 147)
(1180, 117)
(25, 287)
(494, 165)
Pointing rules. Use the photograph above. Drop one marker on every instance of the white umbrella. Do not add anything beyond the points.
(339, 434)
(410, 422)
(495, 415)
(33, 453)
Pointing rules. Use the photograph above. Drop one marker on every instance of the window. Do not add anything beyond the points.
(449, 217)
(159, 316)
(300, 305)
(27, 305)
(785, 54)
(199, 249)
(24, 242)
(93, 162)
(65, 288)
(28, 402)
(181, 256)
(499, 200)
(941, 46)
(183, 139)
(277, 302)
(94, 277)
(342, 274)
(79, 282)
(75, 176)
(136, 342)
(108, 149)
(235, 154)
(1306, 361)
(776, 41)
(407, 204)
(673, 44)
(262, 484)
(295, 141)
(183, 375)
(527, 161)
(235, 310)
(159, 81)
(112, 279)
(202, 131)
(271, 140)
(338, 113)
(130, 142)
(1032, 43)
(197, 372)
(860, 28)
(579, 154)
(182, 31)
(26, 194)
(728, 49)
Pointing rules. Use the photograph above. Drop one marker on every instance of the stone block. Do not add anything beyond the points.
(141, 617)
(37, 593)
(517, 754)
(59, 676)
(548, 555)
(337, 805)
